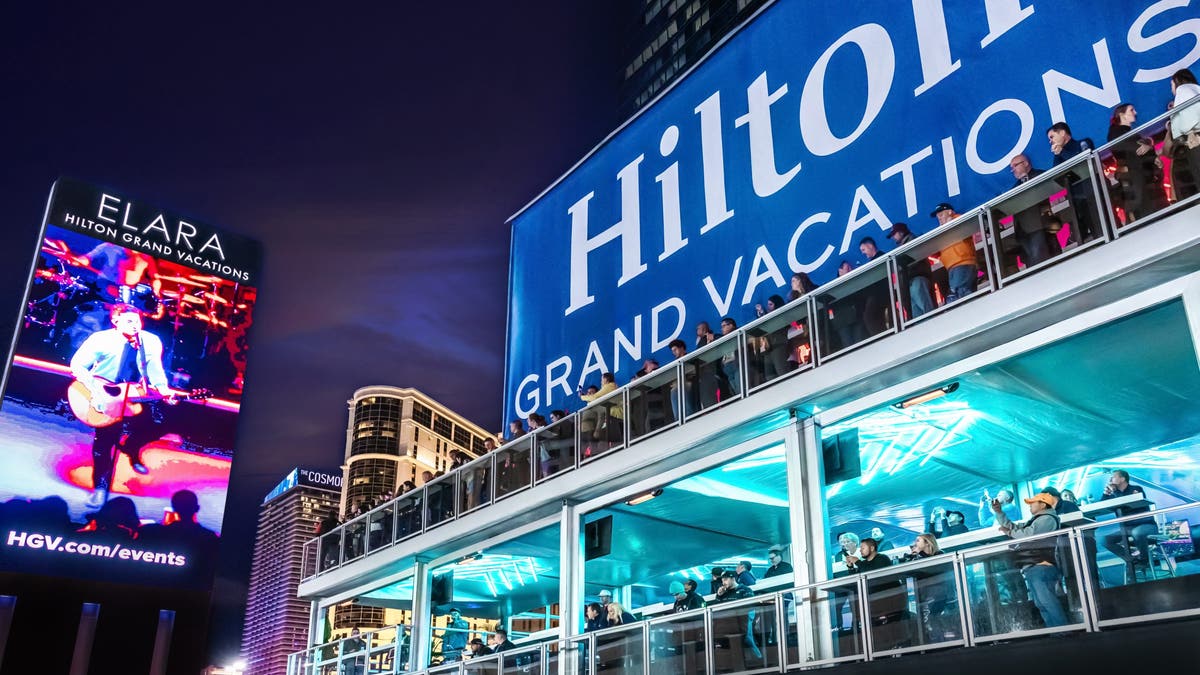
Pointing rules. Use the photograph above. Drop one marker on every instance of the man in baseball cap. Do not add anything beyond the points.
(685, 600)
(1037, 559)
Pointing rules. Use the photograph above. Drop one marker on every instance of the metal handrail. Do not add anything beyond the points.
(883, 260)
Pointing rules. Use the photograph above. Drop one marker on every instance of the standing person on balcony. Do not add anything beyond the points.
(1037, 560)
(729, 373)
(1030, 226)
(958, 258)
(595, 618)
(1005, 497)
(1138, 167)
(1065, 147)
(607, 421)
(1185, 128)
(454, 636)
(919, 272)
(876, 298)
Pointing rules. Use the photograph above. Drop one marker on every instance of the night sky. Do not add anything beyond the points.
(375, 151)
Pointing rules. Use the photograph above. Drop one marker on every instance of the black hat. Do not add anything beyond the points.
(728, 575)
(939, 208)
(899, 228)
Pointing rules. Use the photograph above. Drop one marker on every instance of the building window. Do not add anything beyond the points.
(422, 415)
(443, 427)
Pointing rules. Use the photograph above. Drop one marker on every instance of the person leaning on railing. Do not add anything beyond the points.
(1138, 167)
(1037, 561)
(1185, 132)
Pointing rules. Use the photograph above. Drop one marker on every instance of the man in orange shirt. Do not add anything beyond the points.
(958, 258)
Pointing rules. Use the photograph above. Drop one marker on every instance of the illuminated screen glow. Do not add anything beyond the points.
(122, 397)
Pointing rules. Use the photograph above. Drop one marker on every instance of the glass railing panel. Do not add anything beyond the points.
(824, 624)
(574, 656)
(1144, 566)
(1145, 173)
(654, 403)
(522, 662)
(514, 466)
(939, 270)
(445, 669)
(915, 607)
(380, 526)
(555, 447)
(439, 501)
(779, 345)
(854, 309)
(308, 564)
(482, 665)
(602, 426)
(354, 538)
(1021, 588)
(745, 636)
(678, 643)
(331, 549)
(473, 487)
(409, 509)
(712, 376)
(1049, 217)
(619, 651)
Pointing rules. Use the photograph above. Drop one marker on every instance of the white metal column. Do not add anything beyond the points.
(797, 526)
(813, 498)
(422, 634)
(570, 571)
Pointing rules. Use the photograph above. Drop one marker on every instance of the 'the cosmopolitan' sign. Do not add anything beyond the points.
(813, 127)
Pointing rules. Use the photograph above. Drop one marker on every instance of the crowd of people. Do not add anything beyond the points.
(1046, 573)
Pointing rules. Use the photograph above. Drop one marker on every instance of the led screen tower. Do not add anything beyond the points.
(121, 398)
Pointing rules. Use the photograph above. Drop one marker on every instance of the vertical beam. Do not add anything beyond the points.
(797, 527)
(422, 635)
(162, 642)
(1191, 307)
(570, 570)
(8, 606)
(816, 517)
(82, 656)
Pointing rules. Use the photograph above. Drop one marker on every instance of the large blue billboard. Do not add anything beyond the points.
(811, 128)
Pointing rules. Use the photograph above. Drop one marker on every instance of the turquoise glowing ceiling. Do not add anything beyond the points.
(1128, 387)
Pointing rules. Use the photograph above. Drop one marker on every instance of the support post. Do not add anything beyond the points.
(797, 509)
(570, 573)
(162, 642)
(82, 656)
(422, 628)
(8, 606)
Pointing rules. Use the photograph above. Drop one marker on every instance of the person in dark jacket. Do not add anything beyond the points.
(735, 590)
(1065, 147)
(1139, 191)
(778, 565)
(500, 641)
(871, 558)
(919, 273)
(715, 583)
(1031, 226)
(595, 618)
(684, 599)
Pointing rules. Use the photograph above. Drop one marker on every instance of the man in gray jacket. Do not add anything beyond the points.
(1037, 559)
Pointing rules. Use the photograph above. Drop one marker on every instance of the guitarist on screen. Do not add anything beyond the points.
(121, 354)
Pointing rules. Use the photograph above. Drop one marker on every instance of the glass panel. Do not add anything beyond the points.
(513, 466)
(1048, 217)
(620, 652)
(439, 498)
(745, 637)
(712, 376)
(602, 426)
(331, 549)
(408, 514)
(379, 527)
(853, 310)
(653, 403)
(574, 651)
(354, 540)
(473, 487)
(1136, 177)
(556, 448)
(824, 624)
(935, 271)
(779, 345)
(1145, 565)
(1021, 587)
(482, 665)
(914, 607)
(525, 662)
(442, 670)
(677, 646)
(309, 563)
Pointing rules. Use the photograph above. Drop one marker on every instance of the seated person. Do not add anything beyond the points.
(500, 641)
(869, 559)
(778, 565)
(943, 523)
(1138, 530)
(1064, 506)
(476, 648)
(848, 543)
(685, 600)
(956, 523)
(744, 575)
(595, 617)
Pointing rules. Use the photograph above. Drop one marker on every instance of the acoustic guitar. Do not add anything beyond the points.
(116, 401)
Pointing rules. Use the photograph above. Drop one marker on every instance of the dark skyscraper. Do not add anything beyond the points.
(276, 620)
(665, 37)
